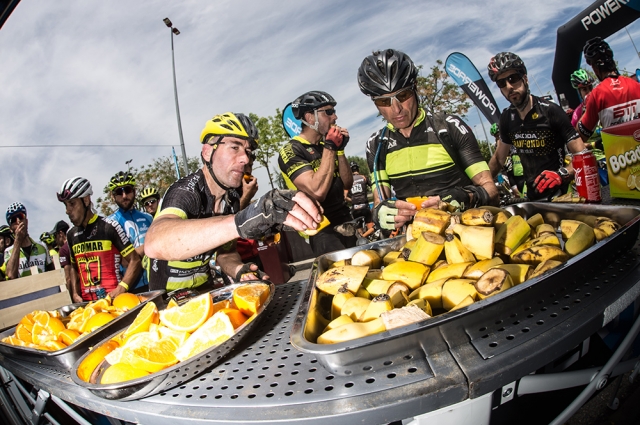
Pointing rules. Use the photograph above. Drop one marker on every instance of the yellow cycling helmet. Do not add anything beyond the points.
(230, 124)
(149, 192)
(121, 179)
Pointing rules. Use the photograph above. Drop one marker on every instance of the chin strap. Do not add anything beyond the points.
(208, 164)
(315, 126)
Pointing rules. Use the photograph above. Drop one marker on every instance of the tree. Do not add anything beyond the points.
(484, 149)
(362, 164)
(161, 173)
(272, 137)
(438, 94)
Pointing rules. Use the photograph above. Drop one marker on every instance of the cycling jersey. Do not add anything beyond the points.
(96, 251)
(420, 165)
(189, 198)
(299, 156)
(615, 100)
(539, 139)
(359, 191)
(35, 255)
(135, 224)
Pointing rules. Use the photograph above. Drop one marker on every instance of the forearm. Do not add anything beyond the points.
(494, 165)
(14, 261)
(172, 238)
(345, 172)
(134, 268)
(230, 263)
(485, 180)
(385, 192)
(317, 184)
(140, 250)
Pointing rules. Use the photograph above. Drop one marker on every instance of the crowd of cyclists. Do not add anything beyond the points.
(210, 217)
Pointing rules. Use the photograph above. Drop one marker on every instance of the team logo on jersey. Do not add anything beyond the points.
(311, 151)
(94, 231)
(535, 116)
(392, 144)
(636, 135)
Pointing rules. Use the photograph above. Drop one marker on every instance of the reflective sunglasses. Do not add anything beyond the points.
(150, 202)
(16, 217)
(329, 112)
(122, 190)
(400, 97)
(511, 79)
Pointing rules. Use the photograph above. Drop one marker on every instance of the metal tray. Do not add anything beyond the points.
(64, 359)
(437, 334)
(181, 372)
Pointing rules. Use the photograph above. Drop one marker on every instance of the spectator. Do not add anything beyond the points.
(31, 253)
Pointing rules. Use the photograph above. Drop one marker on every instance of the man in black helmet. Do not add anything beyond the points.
(314, 162)
(359, 194)
(615, 100)
(417, 153)
(539, 131)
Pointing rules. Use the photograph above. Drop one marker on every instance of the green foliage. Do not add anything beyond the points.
(161, 173)
(362, 164)
(272, 137)
(484, 149)
(438, 94)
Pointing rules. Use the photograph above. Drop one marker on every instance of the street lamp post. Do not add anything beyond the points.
(175, 92)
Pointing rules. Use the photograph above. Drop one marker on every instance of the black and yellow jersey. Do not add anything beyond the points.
(299, 156)
(421, 165)
(189, 198)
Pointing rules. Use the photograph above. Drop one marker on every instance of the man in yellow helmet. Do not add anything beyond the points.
(200, 215)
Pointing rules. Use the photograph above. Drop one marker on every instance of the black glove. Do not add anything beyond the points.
(479, 197)
(266, 216)
(334, 140)
(246, 269)
(456, 196)
(384, 215)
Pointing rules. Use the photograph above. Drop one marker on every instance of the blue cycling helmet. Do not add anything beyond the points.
(16, 207)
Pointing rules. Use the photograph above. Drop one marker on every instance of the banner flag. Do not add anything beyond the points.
(466, 75)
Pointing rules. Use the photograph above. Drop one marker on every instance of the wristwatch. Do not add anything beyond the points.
(564, 173)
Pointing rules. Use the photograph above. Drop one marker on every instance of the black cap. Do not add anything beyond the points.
(60, 226)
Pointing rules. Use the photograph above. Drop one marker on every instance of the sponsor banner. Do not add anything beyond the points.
(466, 75)
(622, 152)
(291, 124)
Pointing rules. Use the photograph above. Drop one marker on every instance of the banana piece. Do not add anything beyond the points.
(413, 274)
(493, 282)
(537, 254)
(363, 293)
(467, 301)
(333, 279)
(581, 239)
(500, 218)
(430, 292)
(340, 263)
(339, 321)
(535, 220)
(352, 331)
(367, 257)
(439, 263)
(544, 239)
(608, 227)
(479, 240)
(599, 234)
(373, 274)
(477, 217)
(354, 307)
(475, 271)
(511, 235)
(601, 220)
(449, 271)
(519, 272)
(378, 286)
(404, 316)
(376, 307)
(338, 301)
(392, 257)
(406, 249)
(456, 290)
(422, 304)
(399, 294)
(430, 220)
(427, 249)
(544, 267)
(497, 210)
(567, 227)
(455, 251)
(543, 228)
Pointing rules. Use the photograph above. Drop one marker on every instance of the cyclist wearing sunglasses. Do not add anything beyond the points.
(6, 240)
(150, 199)
(32, 253)
(417, 153)
(134, 222)
(314, 162)
(539, 130)
(200, 216)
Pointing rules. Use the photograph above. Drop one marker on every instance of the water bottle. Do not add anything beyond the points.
(563, 102)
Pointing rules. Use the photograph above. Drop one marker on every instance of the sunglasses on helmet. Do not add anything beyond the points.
(122, 190)
(14, 218)
(329, 112)
(511, 79)
(400, 97)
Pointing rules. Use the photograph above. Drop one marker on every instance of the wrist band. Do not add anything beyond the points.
(124, 285)
(340, 153)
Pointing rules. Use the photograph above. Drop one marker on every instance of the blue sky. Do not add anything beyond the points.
(99, 73)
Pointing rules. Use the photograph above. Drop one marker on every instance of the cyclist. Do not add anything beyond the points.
(417, 153)
(615, 100)
(31, 253)
(149, 199)
(539, 131)
(199, 213)
(135, 223)
(49, 241)
(97, 245)
(6, 240)
(512, 165)
(359, 194)
(314, 162)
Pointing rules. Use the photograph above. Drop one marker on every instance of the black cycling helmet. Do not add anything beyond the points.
(121, 179)
(597, 52)
(505, 61)
(311, 101)
(386, 71)
(354, 166)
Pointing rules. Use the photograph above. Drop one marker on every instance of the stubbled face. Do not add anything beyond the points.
(324, 121)
(124, 197)
(75, 209)
(515, 93)
(229, 160)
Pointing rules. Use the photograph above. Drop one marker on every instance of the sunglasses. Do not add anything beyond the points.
(150, 202)
(329, 112)
(14, 219)
(511, 79)
(400, 97)
(122, 190)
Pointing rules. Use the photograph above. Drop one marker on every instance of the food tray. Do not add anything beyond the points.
(64, 359)
(440, 332)
(181, 372)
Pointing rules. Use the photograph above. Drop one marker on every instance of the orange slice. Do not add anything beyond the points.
(101, 305)
(23, 333)
(96, 321)
(236, 317)
(220, 305)
(93, 359)
(172, 303)
(53, 345)
(121, 372)
(27, 320)
(147, 316)
(77, 311)
(190, 316)
(126, 301)
(214, 331)
(179, 337)
(150, 355)
(249, 298)
(68, 336)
